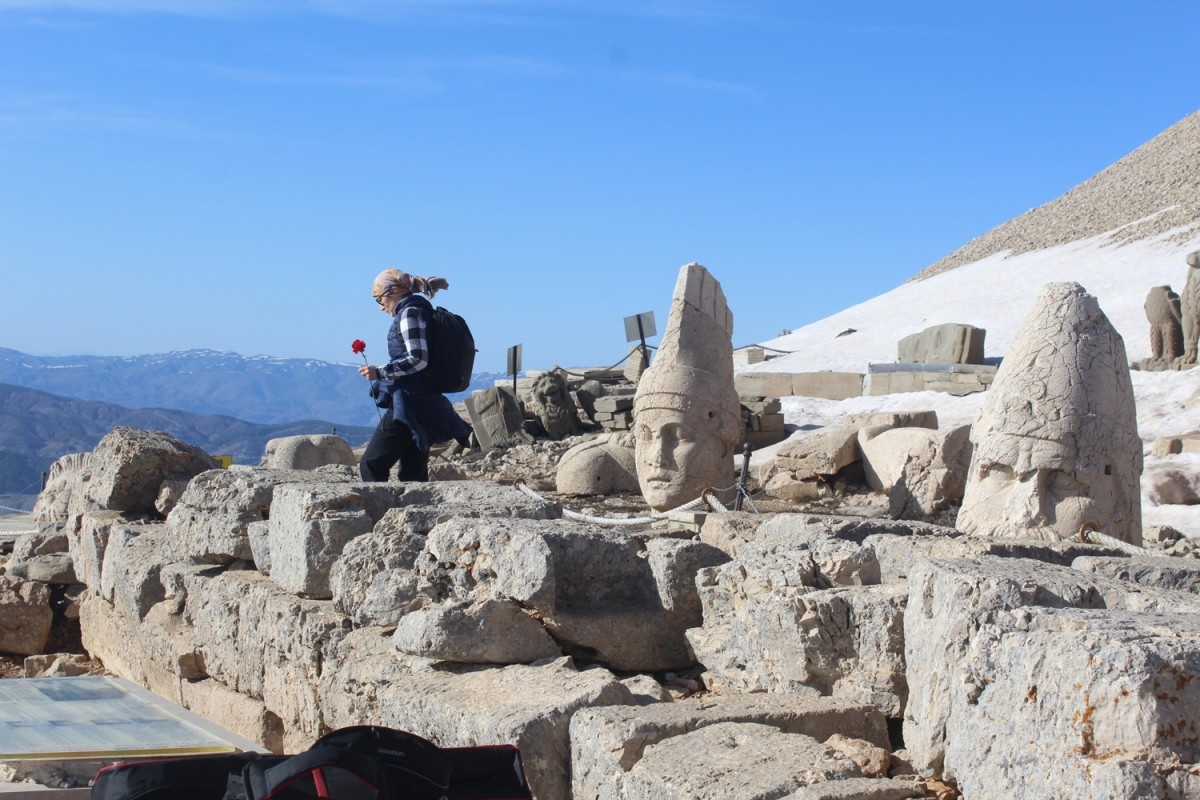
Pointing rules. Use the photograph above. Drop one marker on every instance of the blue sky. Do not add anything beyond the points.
(231, 174)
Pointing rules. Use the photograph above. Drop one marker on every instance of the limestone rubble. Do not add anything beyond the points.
(785, 655)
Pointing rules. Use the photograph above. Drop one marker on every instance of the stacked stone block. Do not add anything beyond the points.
(762, 420)
(615, 412)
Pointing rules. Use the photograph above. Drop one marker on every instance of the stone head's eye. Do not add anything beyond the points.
(996, 471)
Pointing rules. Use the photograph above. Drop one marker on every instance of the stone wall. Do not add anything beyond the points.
(781, 655)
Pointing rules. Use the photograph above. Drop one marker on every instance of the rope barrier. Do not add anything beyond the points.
(1089, 535)
(603, 369)
(707, 497)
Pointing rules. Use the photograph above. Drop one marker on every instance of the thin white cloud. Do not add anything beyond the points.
(421, 75)
(684, 80)
(66, 110)
(30, 113)
(177, 7)
(496, 11)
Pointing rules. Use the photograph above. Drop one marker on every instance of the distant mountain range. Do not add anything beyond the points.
(223, 403)
(257, 389)
(36, 428)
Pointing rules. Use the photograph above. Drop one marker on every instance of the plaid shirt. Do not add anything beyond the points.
(412, 332)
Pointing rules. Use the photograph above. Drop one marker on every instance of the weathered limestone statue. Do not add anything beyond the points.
(1190, 302)
(1166, 325)
(687, 418)
(600, 466)
(307, 452)
(496, 417)
(55, 498)
(553, 405)
(1056, 442)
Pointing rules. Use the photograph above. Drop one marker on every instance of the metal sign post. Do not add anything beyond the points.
(637, 328)
(514, 364)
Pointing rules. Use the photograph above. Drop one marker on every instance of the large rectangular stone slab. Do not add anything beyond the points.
(950, 601)
(608, 743)
(1163, 572)
(528, 706)
(1079, 703)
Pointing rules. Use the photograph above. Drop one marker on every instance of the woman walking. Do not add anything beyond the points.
(417, 417)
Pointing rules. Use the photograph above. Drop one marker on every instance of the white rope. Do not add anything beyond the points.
(707, 496)
(16, 510)
(1089, 536)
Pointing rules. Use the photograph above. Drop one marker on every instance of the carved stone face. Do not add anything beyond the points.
(554, 406)
(1056, 441)
(680, 454)
(1033, 488)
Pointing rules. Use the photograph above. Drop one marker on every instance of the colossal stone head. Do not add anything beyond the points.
(687, 418)
(1056, 442)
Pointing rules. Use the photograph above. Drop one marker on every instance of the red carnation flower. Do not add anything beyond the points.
(358, 346)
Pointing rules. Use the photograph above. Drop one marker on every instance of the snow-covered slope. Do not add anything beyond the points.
(1119, 233)
(995, 294)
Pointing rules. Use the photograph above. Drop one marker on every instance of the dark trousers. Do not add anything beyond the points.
(392, 442)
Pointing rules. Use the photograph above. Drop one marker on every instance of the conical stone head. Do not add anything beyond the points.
(687, 417)
(1056, 447)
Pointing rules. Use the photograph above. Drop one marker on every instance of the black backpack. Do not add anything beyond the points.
(363, 762)
(186, 778)
(451, 352)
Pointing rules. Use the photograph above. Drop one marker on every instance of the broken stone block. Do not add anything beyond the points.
(729, 759)
(210, 522)
(309, 528)
(1089, 702)
(86, 545)
(375, 578)
(923, 471)
(528, 706)
(51, 568)
(54, 665)
(128, 468)
(898, 552)
(610, 744)
(57, 501)
(948, 343)
(1174, 481)
(488, 631)
(860, 789)
(25, 617)
(820, 453)
(1161, 572)
(949, 601)
(129, 575)
(773, 623)
(496, 417)
(262, 641)
(892, 419)
(603, 596)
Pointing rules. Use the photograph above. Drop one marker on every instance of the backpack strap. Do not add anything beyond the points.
(322, 772)
(417, 767)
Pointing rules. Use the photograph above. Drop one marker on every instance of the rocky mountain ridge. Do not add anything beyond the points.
(37, 427)
(258, 389)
